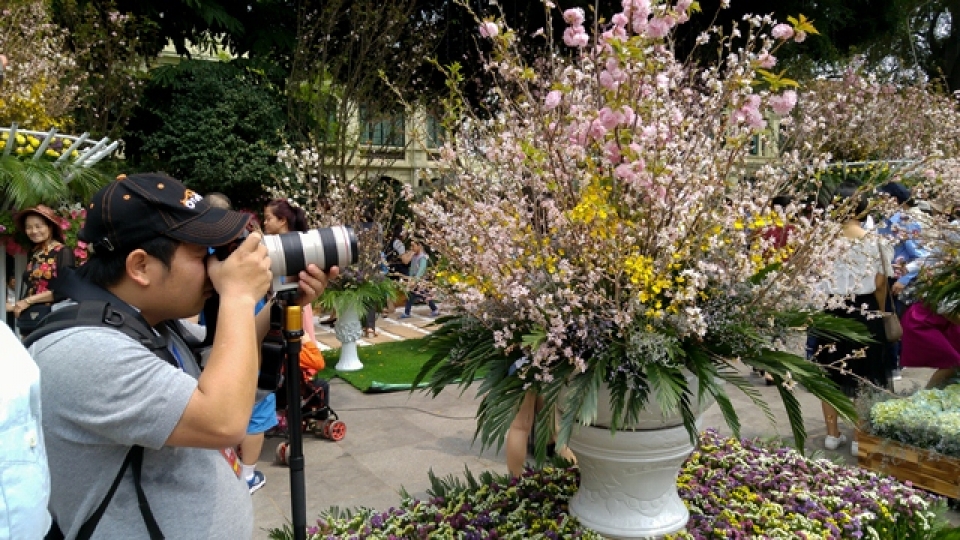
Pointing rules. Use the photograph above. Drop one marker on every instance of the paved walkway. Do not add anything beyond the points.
(394, 439)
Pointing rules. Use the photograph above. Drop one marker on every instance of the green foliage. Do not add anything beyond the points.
(215, 126)
(361, 295)
(28, 182)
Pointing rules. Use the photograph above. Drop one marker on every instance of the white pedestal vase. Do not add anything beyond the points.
(628, 480)
(348, 330)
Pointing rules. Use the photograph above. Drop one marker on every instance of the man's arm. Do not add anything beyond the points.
(219, 411)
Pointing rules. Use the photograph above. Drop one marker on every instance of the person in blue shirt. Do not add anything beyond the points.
(24, 474)
(903, 230)
(419, 291)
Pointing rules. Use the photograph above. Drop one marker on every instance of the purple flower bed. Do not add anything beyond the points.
(733, 489)
(745, 489)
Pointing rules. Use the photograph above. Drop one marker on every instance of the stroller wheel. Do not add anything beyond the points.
(336, 430)
(323, 427)
(283, 452)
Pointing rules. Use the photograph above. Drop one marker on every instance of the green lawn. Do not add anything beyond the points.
(386, 367)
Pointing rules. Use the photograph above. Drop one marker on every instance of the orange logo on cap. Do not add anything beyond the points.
(190, 199)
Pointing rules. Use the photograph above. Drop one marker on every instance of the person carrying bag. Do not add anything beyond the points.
(891, 323)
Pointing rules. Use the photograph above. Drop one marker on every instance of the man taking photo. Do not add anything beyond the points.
(115, 406)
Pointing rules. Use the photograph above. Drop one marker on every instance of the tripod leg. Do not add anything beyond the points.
(298, 495)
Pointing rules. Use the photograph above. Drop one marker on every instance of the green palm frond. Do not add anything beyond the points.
(786, 366)
(824, 325)
(367, 295)
(708, 376)
(27, 182)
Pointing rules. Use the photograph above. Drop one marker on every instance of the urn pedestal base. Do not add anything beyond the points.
(628, 481)
(348, 330)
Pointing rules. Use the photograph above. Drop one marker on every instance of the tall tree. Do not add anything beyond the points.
(927, 38)
(217, 126)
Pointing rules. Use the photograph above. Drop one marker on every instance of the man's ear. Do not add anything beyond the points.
(137, 265)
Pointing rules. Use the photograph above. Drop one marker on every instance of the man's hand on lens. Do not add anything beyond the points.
(245, 273)
(313, 281)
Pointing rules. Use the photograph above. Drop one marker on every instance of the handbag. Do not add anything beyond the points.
(891, 323)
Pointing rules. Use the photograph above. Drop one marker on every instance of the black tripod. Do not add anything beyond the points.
(286, 316)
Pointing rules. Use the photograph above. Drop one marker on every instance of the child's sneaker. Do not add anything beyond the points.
(435, 313)
(256, 481)
(405, 316)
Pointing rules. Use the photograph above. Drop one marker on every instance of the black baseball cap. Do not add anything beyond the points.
(896, 190)
(136, 208)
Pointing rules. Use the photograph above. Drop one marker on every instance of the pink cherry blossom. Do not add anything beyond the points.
(784, 103)
(597, 129)
(611, 151)
(609, 119)
(625, 171)
(574, 16)
(766, 60)
(552, 100)
(658, 28)
(576, 36)
(608, 81)
(489, 29)
(782, 31)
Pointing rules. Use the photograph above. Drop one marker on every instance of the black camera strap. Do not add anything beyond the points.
(272, 351)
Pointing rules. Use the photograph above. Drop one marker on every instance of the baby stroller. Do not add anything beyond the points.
(316, 416)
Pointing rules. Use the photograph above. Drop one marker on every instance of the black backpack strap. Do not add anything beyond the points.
(148, 519)
(135, 457)
(102, 314)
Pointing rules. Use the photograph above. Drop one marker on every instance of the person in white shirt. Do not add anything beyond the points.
(860, 276)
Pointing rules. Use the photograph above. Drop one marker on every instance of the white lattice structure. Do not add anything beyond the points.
(90, 151)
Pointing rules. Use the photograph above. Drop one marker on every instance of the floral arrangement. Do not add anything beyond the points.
(533, 506)
(362, 202)
(733, 489)
(747, 489)
(604, 228)
(927, 419)
(856, 116)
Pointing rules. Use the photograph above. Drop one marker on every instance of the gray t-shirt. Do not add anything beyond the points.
(103, 392)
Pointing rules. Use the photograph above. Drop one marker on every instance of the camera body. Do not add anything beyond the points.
(292, 252)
